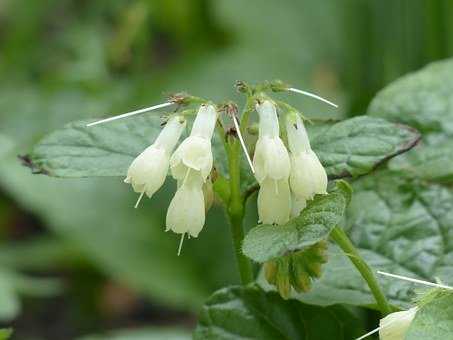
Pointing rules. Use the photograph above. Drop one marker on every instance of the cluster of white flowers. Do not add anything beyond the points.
(190, 165)
(287, 179)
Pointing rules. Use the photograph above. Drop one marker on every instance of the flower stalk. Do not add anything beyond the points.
(235, 209)
(340, 237)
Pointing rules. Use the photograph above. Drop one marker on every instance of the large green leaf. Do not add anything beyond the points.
(251, 313)
(423, 100)
(314, 224)
(434, 320)
(350, 148)
(399, 226)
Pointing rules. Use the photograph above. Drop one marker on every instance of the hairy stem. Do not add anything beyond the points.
(235, 210)
(340, 237)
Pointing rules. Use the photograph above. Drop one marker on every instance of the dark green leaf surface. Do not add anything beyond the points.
(356, 146)
(314, 224)
(423, 100)
(399, 226)
(349, 148)
(434, 320)
(251, 313)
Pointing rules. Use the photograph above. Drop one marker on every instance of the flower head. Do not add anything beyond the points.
(191, 165)
(308, 176)
(272, 168)
(148, 171)
(195, 151)
(186, 213)
(395, 325)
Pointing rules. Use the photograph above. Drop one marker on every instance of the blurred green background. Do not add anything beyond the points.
(75, 257)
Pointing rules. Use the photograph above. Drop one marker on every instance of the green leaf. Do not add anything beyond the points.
(422, 100)
(399, 226)
(434, 321)
(251, 313)
(105, 150)
(143, 334)
(349, 148)
(322, 214)
(356, 146)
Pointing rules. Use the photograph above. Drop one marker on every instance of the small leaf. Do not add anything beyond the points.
(250, 313)
(399, 226)
(434, 321)
(322, 214)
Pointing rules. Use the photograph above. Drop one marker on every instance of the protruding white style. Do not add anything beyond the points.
(148, 171)
(394, 326)
(130, 114)
(405, 278)
(186, 213)
(272, 168)
(312, 95)
(191, 165)
(195, 151)
(244, 147)
(308, 176)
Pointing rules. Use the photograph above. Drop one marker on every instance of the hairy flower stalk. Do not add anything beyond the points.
(272, 168)
(308, 176)
(148, 171)
(191, 165)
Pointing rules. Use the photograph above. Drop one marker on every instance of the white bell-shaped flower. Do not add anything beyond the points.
(148, 171)
(186, 213)
(395, 325)
(272, 168)
(274, 201)
(271, 159)
(308, 176)
(195, 151)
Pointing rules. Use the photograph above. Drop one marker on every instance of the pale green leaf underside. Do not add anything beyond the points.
(250, 313)
(349, 148)
(314, 224)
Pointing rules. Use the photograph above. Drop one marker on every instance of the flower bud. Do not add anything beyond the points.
(148, 171)
(274, 201)
(395, 325)
(186, 212)
(308, 176)
(195, 151)
(271, 159)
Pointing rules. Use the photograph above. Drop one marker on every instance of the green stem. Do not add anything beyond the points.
(340, 237)
(235, 210)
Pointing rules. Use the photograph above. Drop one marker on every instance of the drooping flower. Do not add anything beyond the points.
(272, 168)
(308, 176)
(395, 325)
(148, 171)
(191, 165)
(195, 151)
(186, 212)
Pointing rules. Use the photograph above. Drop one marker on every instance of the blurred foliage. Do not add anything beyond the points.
(67, 60)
